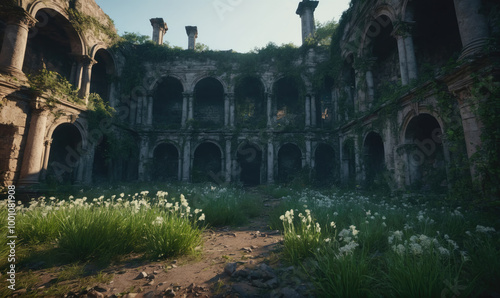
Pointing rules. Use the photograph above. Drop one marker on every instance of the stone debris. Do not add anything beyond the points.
(230, 268)
(142, 275)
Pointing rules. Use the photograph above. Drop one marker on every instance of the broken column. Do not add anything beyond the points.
(306, 12)
(159, 29)
(473, 26)
(192, 32)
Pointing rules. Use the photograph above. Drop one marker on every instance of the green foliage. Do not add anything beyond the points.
(323, 34)
(98, 111)
(54, 85)
(135, 38)
(82, 23)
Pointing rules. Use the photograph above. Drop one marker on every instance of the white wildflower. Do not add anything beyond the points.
(202, 217)
(482, 229)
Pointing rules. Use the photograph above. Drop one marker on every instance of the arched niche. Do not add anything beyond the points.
(165, 163)
(249, 158)
(289, 162)
(209, 103)
(289, 105)
(167, 102)
(324, 164)
(250, 103)
(101, 74)
(374, 158)
(207, 163)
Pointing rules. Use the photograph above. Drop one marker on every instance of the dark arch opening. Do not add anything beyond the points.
(324, 103)
(374, 159)
(101, 71)
(52, 45)
(101, 167)
(250, 103)
(290, 109)
(349, 163)
(167, 103)
(207, 165)
(385, 68)
(436, 35)
(209, 103)
(249, 158)
(65, 154)
(426, 163)
(289, 162)
(324, 163)
(165, 163)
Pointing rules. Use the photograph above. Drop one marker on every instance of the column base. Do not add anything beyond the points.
(11, 71)
(473, 48)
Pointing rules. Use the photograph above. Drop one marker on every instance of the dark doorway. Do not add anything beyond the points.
(374, 158)
(324, 163)
(209, 103)
(165, 163)
(207, 163)
(65, 154)
(167, 103)
(289, 162)
(250, 159)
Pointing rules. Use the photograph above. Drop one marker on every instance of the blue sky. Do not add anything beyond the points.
(240, 25)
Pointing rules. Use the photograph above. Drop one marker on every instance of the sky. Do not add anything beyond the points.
(239, 25)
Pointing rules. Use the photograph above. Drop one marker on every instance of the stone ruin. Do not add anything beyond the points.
(190, 119)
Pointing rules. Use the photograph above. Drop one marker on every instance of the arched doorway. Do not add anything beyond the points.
(250, 103)
(100, 82)
(374, 158)
(209, 103)
(167, 103)
(348, 163)
(207, 163)
(289, 162)
(249, 158)
(65, 155)
(165, 163)
(289, 107)
(324, 164)
(425, 154)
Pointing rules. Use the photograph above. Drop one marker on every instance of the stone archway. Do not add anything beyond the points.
(209, 103)
(324, 164)
(207, 163)
(426, 166)
(100, 82)
(65, 155)
(289, 107)
(165, 163)
(250, 101)
(249, 158)
(289, 162)
(167, 103)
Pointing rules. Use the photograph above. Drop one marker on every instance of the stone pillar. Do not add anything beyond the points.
(192, 32)
(190, 106)
(370, 87)
(185, 100)
(45, 165)
(33, 152)
(143, 158)
(308, 152)
(306, 12)
(402, 60)
(308, 110)
(150, 110)
(159, 30)
(269, 100)
(313, 111)
(226, 110)
(14, 44)
(88, 62)
(186, 163)
(270, 162)
(472, 25)
(231, 109)
(411, 60)
(228, 159)
(77, 71)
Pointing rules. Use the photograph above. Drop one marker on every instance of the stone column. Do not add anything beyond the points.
(140, 108)
(190, 106)
(306, 12)
(370, 87)
(77, 71)
(472, 25)
(14, 44)
(270, 162)
(186, 163)
(45, 165)
(308, 151)
(226, 110)
(143, 158)
(402, 60)
(308, 110)
(411, 60)
(313, 111)
(159, 30)
(185, 100)
(150, 110)
(228, 159)
(88, 62)
(269, 100)
(192, 32)
(32, 160)
(231, 109)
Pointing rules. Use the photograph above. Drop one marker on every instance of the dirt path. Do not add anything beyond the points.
(235, 262)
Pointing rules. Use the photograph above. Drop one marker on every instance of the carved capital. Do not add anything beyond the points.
(403, 29)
